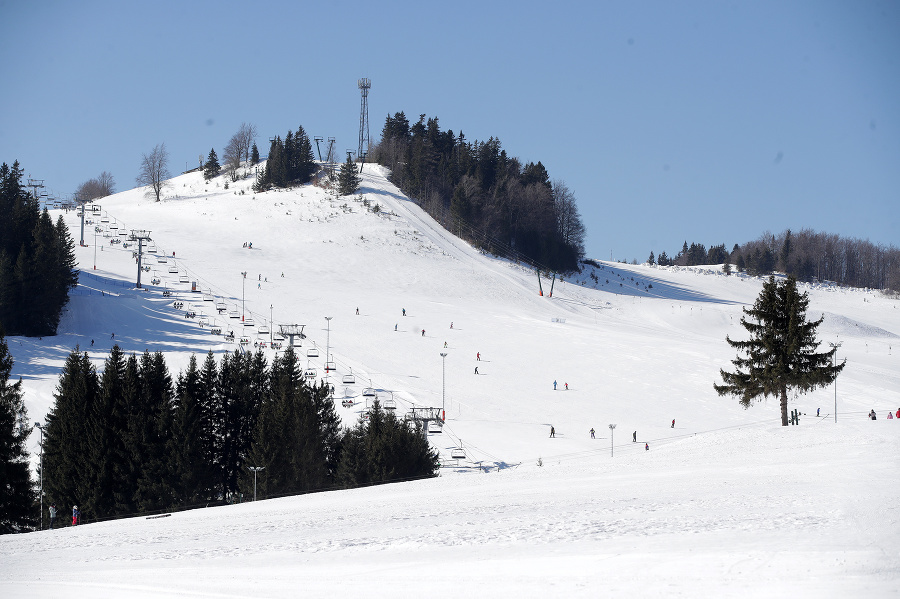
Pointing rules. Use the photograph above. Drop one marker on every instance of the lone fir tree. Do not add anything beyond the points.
(211, 168)
(781, 352)
(348, 179)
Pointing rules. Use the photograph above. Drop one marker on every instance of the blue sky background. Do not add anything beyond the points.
(670, 121)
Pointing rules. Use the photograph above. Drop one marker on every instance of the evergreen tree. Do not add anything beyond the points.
(150, 426)
(781, 354)
(192, 450)
(348, 179)
(18, 499)
(67, 471)
(652, 259)
(384, 449)
(254, 154)
(212, 167)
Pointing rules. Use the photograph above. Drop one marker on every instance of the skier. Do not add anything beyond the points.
(567, 386)
(423, 332)
(554, 385)
(817, 412)
(52, 516)
(898, 412)
(260, 277)
(357, 311)
(478, 357)
(404, 311)
(92, 343)
(451, 324)
(259, 285)
(890, 416)
(282, 275)
(592, 433)
(445, 344)
(647, 446)
(476, 370)
(173, 254)
(552, 432)
(634, 437)
(75, 515)
(113, 336)
(395, 327)
(673, 423)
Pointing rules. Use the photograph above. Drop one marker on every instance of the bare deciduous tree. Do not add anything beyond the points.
(231, 157)
(155, 171)
(247, 134)
(568, 220)
(98, 187)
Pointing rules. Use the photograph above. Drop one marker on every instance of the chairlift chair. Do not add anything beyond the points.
(329, 367)
(183, 279)
(173, 270)
(248, 322)
(161, 259)
(312, 352)
(234, 314)
(458, 453)
(435, 428)
(310, 373)
(113, 225)
(349, 379)
(123, 233)
(263, 329)
(207, 297)
(369, 392)
(390, 404)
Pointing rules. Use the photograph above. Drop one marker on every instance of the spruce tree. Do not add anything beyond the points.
(67, 469)
(348, 179)
(191, 457)
(18, 499)
(212, 167)
(780, 354)
(254, 154)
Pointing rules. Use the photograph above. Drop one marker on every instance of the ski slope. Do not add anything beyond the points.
(725, 502)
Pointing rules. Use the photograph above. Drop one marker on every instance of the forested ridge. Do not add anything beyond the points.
(807, 255)
(479, 192)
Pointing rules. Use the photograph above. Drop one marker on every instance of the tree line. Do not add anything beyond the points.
(291, 162)
(37, 261)
(482, 194)
(807, 255)
(133, 440)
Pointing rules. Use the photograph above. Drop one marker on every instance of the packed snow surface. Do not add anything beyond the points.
(724, 503)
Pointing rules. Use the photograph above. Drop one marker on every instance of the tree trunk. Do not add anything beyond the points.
(784, 411)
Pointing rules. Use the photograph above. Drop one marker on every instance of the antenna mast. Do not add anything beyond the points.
(364, 85)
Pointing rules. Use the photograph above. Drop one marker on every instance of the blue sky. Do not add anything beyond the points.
(670, 121)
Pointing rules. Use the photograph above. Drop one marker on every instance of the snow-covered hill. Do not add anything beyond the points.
(727, 501)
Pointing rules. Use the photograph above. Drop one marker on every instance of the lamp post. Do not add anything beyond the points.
(255, 469)
(443, 378)
(328, 346)
(612, 428)
(95, 248)
(40, 427)
(270, 325)
(835, 346)
(243, 286)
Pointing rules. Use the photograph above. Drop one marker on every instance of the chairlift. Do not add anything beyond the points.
(263, 329)
(105, 219)
(390, 404)
(458, 453)
(435, 428)
(248, 322)
(369, 392)
(234, 314)
(349, 379)
(310, 373)
(278, 337)
(207, 297)
(312, 352)
(183, 279)
(113, 225)
(173, 270)
(329, 366)
(161, 259)
(245, 340)
(347, 403)
(123, 233)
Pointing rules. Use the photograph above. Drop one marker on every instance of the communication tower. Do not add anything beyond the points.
(364, 84)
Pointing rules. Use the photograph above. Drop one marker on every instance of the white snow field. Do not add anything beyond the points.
(727, 503)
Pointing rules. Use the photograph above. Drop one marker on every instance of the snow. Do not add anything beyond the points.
(726, 503)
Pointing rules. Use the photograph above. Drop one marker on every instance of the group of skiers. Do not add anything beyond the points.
(76, 516)
(872, 415)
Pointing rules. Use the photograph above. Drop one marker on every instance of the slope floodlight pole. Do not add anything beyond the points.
(834, 346)
(612, 428)
(243, 286)
(328, 346)
(443, 379)
(255, 469)
(40, 427)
